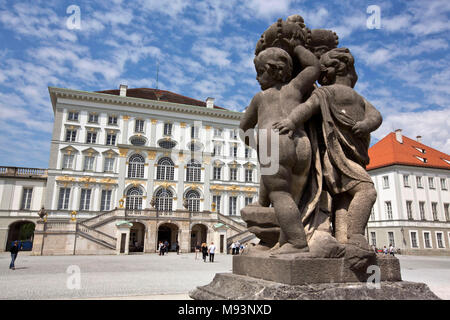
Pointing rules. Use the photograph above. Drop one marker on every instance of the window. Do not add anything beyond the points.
(194, 132)
(217, 173)
(193, 199)
(446, 211)
(72, 116)
(388, 209)
(218, 132)
(194, 147)
(111, 139)
(233, 134)
(439, 240)
(233, 174)
(419, 182)
(167, 144)
(248, 152)
(233, 150)
(248, 200)
(164, 199)
(26, 198)
(167, 129)
(385, 182)
(136, 166)
(431, 182)
(85, 199)
(409, 210)
(426, 239)
(89, 163)
(105, 202)
(134, 198)
(248, 175)
(443, 184)
(67, 161)
(193, 171)
(109, 165)
(91, 137)
(414, 239)
(406, 180)
(373, 238)
(139, 125)
(137, 141)
(63, 200)
(112, 120)
(217, 150)
(434, 211)
(372, 214)
(233, 206)
(422, 210)
(93, 118)
(216, 200)
(391, 239)
(71, 135)
(165, 169)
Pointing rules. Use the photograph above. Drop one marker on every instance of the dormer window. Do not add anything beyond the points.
(424, 160)
(420, 150)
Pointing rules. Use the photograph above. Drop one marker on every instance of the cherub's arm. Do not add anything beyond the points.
(311, 69)
(250, 118)
(302, 113)
(372, 120)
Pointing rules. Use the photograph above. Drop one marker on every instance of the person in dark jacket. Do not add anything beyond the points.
(204, 251)
(14, 252)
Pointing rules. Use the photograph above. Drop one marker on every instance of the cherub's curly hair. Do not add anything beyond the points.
(337, 62)
(279, 62)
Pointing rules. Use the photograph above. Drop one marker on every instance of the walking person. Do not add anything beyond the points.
(166, 246)
(204, 251)
(177, 247)
(392, 250)
(211, 251)
(197, 249)
(385, 250)
(238, 247)
(233, 248)
(161, 248)
(14, 252)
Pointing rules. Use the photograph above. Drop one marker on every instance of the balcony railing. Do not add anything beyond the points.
(23, 172)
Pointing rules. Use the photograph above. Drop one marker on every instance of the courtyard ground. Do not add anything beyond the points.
(151, 276)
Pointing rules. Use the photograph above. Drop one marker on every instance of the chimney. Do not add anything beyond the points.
(210, 102)
(419, 139)
(123, 90)
(398, 135)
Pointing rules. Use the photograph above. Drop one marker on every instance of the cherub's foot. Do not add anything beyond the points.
(288, 248)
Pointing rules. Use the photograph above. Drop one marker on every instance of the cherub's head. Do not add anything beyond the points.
(337, 62)
(273, 66)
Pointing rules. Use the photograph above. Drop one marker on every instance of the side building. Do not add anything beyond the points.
(131, 167)
(412, 208)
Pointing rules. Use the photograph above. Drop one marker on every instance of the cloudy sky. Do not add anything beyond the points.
(205, 48)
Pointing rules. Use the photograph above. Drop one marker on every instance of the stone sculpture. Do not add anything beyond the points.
(312, 212)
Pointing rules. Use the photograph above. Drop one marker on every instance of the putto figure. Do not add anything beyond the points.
(280, 95)
(347, 120)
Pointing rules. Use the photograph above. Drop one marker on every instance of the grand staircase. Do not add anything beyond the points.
(88, 229)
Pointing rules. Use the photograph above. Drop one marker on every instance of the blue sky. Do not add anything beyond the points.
(205, 49)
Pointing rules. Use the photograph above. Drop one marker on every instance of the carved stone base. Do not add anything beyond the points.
(227, 286)
(312, 270)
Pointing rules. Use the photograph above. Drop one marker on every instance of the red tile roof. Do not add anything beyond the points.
(153, 94)
(389, 151)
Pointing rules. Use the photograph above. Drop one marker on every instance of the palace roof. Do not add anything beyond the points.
(159, 95)
(397, 149)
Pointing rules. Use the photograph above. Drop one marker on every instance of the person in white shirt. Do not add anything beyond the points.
(233, 248)
(211, 251)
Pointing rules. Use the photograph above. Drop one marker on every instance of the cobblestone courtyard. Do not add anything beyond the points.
(153, 277)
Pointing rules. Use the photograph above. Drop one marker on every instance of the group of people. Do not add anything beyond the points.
(237, 247)
(206, 251)
(391, 250)
(163, 247)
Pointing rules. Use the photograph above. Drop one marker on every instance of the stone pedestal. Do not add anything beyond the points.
(266, 278)
(227, 286)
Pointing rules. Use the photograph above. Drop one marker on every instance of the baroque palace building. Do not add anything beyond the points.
(129, 168)
(412, 208)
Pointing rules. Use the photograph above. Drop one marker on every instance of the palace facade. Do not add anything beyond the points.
(131, 167)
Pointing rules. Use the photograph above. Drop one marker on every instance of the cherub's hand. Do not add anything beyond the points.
(360, 128)
(285, 126)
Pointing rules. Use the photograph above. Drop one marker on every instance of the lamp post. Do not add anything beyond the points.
(121, 201)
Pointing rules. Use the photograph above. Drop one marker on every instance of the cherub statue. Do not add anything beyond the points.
(279, 97)
(347, 120)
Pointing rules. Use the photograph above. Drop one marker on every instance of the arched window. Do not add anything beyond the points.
(193, 199)
(193, 171)
(136, 166)
(165, 170)
(164, 199)
(134, 198)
